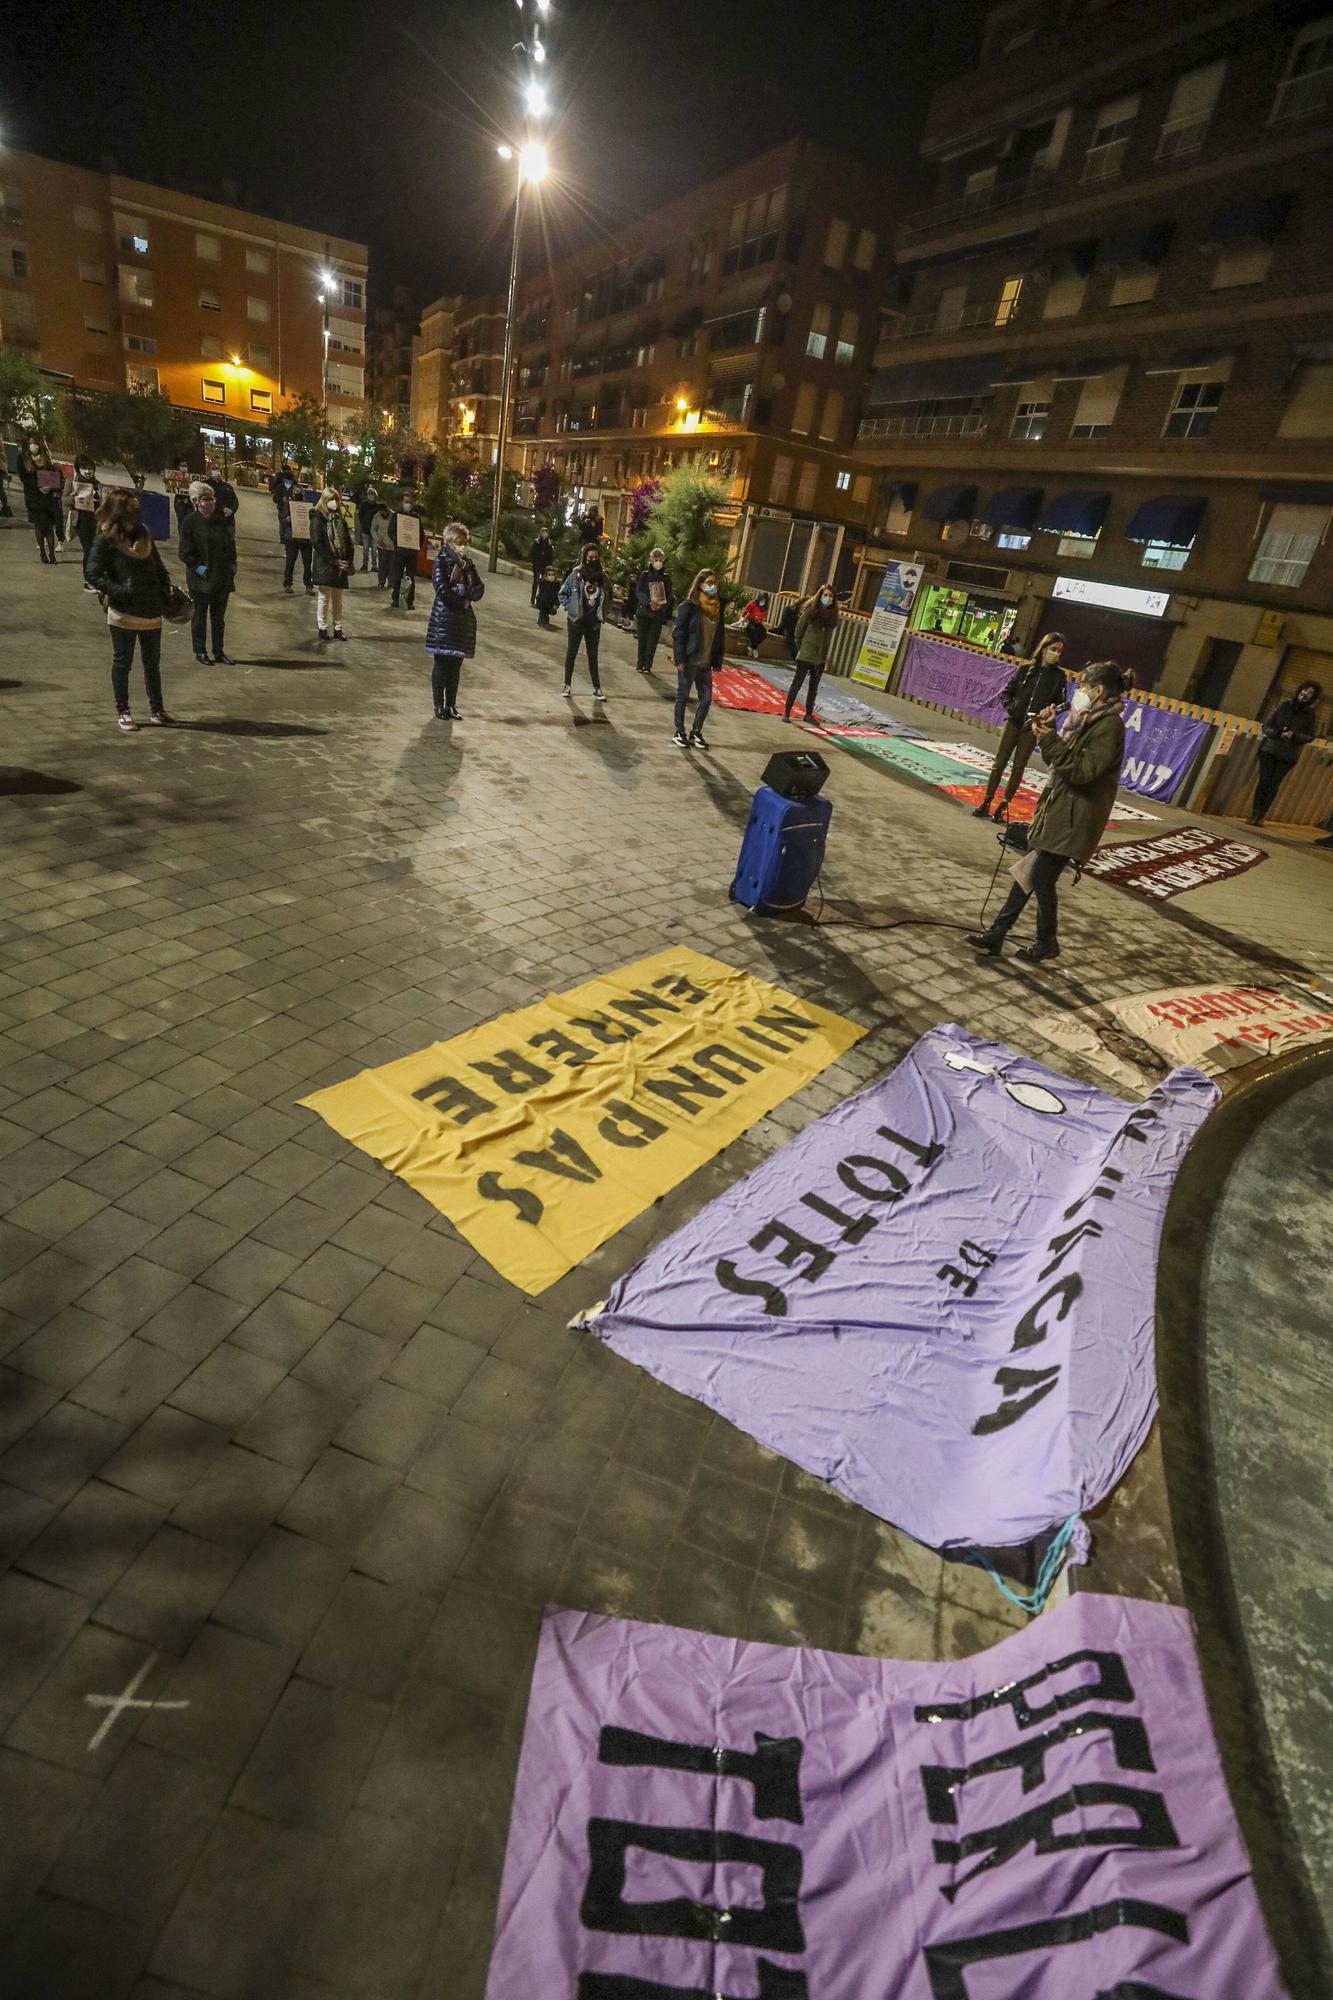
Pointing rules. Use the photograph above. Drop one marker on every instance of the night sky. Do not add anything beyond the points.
(379, 121)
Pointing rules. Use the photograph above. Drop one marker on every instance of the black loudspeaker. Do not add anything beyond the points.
(796, 774)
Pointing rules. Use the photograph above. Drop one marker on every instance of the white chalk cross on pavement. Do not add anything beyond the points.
(114, 1704)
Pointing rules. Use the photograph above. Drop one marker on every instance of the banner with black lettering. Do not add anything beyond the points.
(698, 1818)
(939, 1298)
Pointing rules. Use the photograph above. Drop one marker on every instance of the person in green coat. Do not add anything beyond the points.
(1075, 806)
(814, 636)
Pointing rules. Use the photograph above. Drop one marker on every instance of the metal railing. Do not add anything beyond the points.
(1302, 96)
(1015, 193)
(990, 313)
(886, 427)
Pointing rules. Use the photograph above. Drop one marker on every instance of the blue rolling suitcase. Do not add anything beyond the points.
(782, 852)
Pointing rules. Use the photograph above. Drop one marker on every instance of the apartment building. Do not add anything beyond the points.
(432, 370)
(389, 332)
(475, 370)
(731, 330)
(112, 282)
(1107, 405)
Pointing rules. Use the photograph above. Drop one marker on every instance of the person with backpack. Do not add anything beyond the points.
(654, 602)
(41, 483)
(583, 597)
(814, 635)
(207, 548)
(451, 631)
(330, 563)
(130, 577)
(82, 497)
(698, 645)
(1035, 685)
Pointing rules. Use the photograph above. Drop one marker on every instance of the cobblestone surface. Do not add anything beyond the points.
(272, 1438)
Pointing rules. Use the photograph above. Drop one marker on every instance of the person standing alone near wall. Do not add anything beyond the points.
(1037, 684)
(1287, 731)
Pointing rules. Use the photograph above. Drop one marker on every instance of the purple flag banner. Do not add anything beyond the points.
(1160, 749)
(699, 1817)
(939, 1298)
(954, 676)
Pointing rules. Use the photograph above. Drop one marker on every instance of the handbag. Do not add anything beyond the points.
(176, 607)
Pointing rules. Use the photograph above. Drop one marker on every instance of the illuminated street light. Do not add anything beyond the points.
(532, 161)
(538, 49)
(532, 167)
(534, 97)
(505, 152)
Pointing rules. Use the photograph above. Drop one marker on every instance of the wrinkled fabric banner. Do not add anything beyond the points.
(1166, 864)
(1048, 1820)
(763, 691)
(939, 1298)
(1213, 1028)
(1160, 749)
(953, 676)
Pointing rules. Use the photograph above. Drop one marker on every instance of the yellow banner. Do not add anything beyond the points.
(542, 1133)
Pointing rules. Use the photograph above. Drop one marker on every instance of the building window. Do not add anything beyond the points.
(1030, 420)
(849, 328)
(832, 419)
(138, 375)
(140, 343)
(1193, 409)
(210, 302)
(1288, 545)
(1008, 539)
(816, 341)
(1190, 111)
(92, 274)
(1165, 555)
(701, 256)
(756, 225)
(136, 286)
(208, 248)
(1307, 84)
(1098, 401)
(261, 402)
(1309, 410)
(1245, 262)
(213, 392)
(1007, 304)
(353, 295)
(210, 348)
(11, 207)
(979, 189)
(1080, 547)
(867, 243)
(132, 234)
(843, 482)
(18, 262)
(835, 243)
(96, 322)
(256, 308)
(86, 218)
(806, 484)
(259, 356)
(1067, 289)
(256, 261)
(779, 484)
(1110, 137)
(18, 314)
(1134, 283)
(803, 414)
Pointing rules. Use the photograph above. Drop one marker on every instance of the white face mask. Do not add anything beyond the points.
(710, 590)
(824, 597)
(1081, 702)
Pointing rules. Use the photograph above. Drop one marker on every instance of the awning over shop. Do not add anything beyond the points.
(1172, 519)
(950, 503)
(1074, 514)
(1259, 220)
(928, 380)
(1016, 507)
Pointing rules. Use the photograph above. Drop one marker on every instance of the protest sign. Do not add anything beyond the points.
(541, 1133)
(300, 511)
(407, 528)
(1166, 864)
(954, 676)
(939, 1297)
(698, 1818)
(1160, 749)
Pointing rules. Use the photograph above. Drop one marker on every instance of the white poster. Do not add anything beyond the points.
(408, 530)
(300, 513)
(888, 622)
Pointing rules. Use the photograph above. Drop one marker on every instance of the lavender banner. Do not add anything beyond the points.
(699, 1817)
(953, 676)
(1160, 749)
(939, 1298)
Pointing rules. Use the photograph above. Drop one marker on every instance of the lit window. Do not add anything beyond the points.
(86, 218)
(256, 260)
(1110, 137)
(259, 357)
(256, 308)
(208, 248)
(1030, 420)
(1288, 546)
(805, 486)
(213, 392)
(1307, 86)
(1008, 539)
(843, 482)
(780, 484)
(1193, 409)
(136, 286)
(816, 341)
(1007, 303)
(210, 302)
(261, 402)
(92, 274)
(835, 243)
(1164, 555)
(138, 375)
(1078, 546)
(210, 348)
(140, 343)
(132, 234)
(1190, 111)
(848, 328)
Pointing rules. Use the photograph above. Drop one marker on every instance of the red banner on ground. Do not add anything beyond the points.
(1166, 864)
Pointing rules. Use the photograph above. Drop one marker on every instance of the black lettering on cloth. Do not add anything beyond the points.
(529, 1205)
(721, 1061)
(687, 1086)
(786, 1021)
(943, 1782)
(775, 1300)
(604, 1030)
(555, 1043)
(794, 1248)
(1138, 1124)
(925, 1155)
(774, 1926)
(973, 1254)
(564, 1156)
(625, 1125)
(896, 1183)
(513, 1072)
(641, 1006)
(774, 1984)
(1038, 1382)
(453, 1099)
(773, 1767)
(681, 987)
(1063, 1244)
(1036, 1828)
(1031, 1328)
(752, 1034)
(850, 1227)
(946, 1964)
(1112, 1684)
(1112, 1174)
(962, 1281)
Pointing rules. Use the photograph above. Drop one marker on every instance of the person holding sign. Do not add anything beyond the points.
(293, 527)
(41, 482)
(451, 633)
(330, 563)
(405, 540)
(654, 602)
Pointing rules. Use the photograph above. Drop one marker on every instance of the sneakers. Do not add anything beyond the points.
(322, 636)
(599, 694)
(986, 942)
(202, 660)
(697, 741)
(310, 590)
(126, 720)
(161, 718)
(567, 691)
(223, 660)
(1036, 954)
(338, 633)
(681, 740)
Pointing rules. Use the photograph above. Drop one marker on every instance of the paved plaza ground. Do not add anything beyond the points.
(274, 1442)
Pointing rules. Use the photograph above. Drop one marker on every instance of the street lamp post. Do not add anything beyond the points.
(531, 166)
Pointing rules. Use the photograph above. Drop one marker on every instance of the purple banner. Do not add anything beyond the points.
(939, 1298)
(955, 676)
(1160, 749)
(697, 1816)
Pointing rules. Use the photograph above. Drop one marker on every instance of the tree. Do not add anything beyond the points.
(683, 525)
(138, 428)
(301, 432)
(545, 490)
(642, 500)
(374, 444)
(26, 404)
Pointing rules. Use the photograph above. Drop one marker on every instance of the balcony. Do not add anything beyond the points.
(991, 313)
(871, 428)
(1022, 191)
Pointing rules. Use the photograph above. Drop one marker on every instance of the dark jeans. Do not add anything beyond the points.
(403, 564)
(208, 609)
(122, 655)
(445, 672)
(700, 679)
(1272, 770)
(289, 566)
(754, 634)
(45, 520)
(589, 630)
(536, 579)
(86, 527)
(1016, 741)
(650, 631)
(1046, 872)
(382, 560)
(816, 676)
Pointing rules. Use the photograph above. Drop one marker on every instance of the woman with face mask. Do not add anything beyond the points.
(755, 616)
(1288, 729)
(583, 596)
(207, 547)
(451, 633)
(654, 602)
(82, 497)
(814, 635)
(330, 563)
(126, 570)
(41, 483)
(698, 643)
(1035, 684)
(1075, 806)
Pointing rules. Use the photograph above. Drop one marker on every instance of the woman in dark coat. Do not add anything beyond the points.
(207, 547)
(1035, 684)
(42, 482)
(330, 562)
(698, 645)
(540, 556)
(654, 602)
(451, 634)
(1075, 806)
(1287, 731)
(129, 575)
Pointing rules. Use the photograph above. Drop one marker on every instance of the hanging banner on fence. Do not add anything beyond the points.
(939, 1297)
(888, 622)
(541, 1133)
(1166, 864)
(696, 1816)
(1160, 749)
(300, 511)
(952, 676)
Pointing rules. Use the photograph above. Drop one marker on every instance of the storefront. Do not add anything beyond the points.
(1109, 621)
(982, 617)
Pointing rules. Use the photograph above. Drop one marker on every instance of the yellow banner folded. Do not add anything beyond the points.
(543, 1132)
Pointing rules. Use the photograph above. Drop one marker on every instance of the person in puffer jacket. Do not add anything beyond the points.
(451, 633)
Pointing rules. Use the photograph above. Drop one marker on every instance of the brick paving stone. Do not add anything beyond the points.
(392, 1426)
(80, 1954)
(170, 1588)
(339, 1499)
(369, 1638)
(436, 1363)
(247, 1900)
(135, 1847)
(295, 1422)
(130, 1382)
(40, 1805)
(38, 1620)
(236, 1500)
(58, 1723)
(61, 1450)
(283, 1590)
(379, 1905)
(283, 1328)
(67, 1348)
(166, 1456)
(346, 1359)
(307, 1767)
(249, 1272)
(228, 1387)
(93, 1539)
(22, 1518)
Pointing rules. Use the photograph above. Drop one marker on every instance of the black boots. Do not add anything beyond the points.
(989, 943)
(1035, 954)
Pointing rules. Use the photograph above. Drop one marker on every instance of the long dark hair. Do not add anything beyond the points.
(1046, 639)
(119, 507)
(823, 614)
